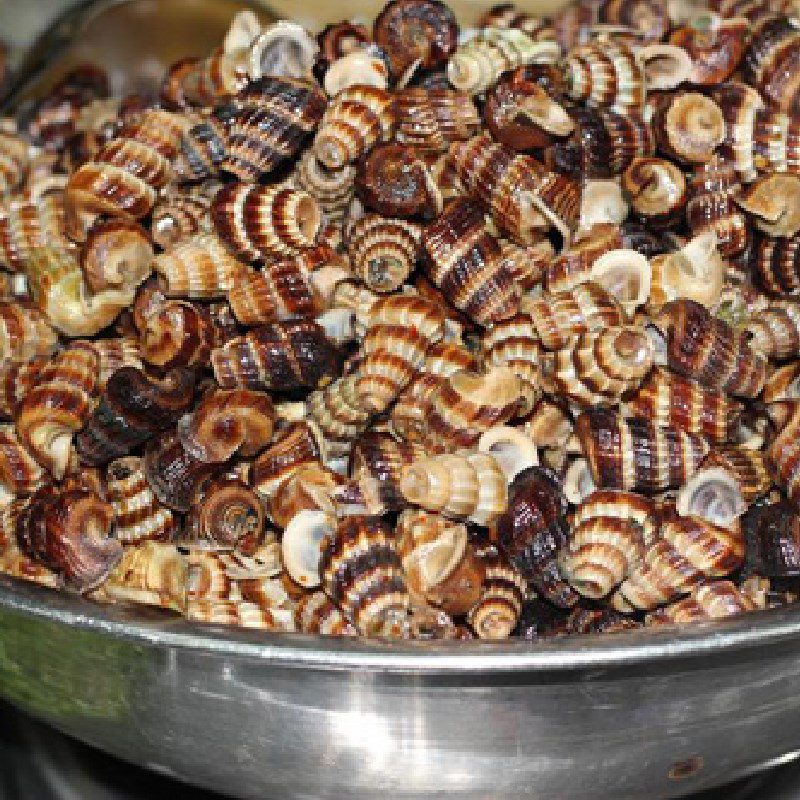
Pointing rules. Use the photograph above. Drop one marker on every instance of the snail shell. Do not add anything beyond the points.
(383, 252)
(199, 267)
(773, 201)
(431, 119)
(116, 254)
(656, 189)
(16, 379)
(283, 49)
(477, 64)
(29, 224)
(465, 262)
(24, 332)
(782, 452)
(132, 408)
(561, 317)
(14, 161)
(309, 487)
(532, 529)
(466, 404)
(770, 63)
(507, 15)
(338, 411)
(775, 331)
(176, 334)
(362, 573)
(440, 566)
(280, 357)
(714, 600)
(674, 401)
(68, 532)
(202, 149)
(514, 343)
(264, 221)
(772, 540)
(601, 367)
(525, 198)
(467, 487)
(709, 350)
(240, 613)
(275, 117)
(362, 66)
(295, 445)
(696, 271)
(315, 612)
(333, 189)
(689, 126)
(498, 610)
(178, 216)
(605, 73)
(151, 573)
(776, 263)
(715, 46)
(408, 417)
(416, 33)
(400, 329)
(138, 515)
(58, 406)
(749, 467)
(712, 494)
(20, 474)
(356, 119)
(636, 454)
(115, 354)
(740, 105)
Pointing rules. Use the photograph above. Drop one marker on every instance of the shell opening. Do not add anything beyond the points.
(712, 494)
(302, 544)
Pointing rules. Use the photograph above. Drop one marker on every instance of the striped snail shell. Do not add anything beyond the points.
(469, 487)
(24, 332)
(709, 350)
(775, 331)
(431, 119)
(400, 329)
(132, 408)
(179, 215)
(636, 454)
(507, 15)
(383, 252)
(771, 538)
(408, 417)
(356, 119)
(478, 63)
(138, 516)
(281, 357)
(27, 224)
(606, 542)
(605, 73)
(514, 343)
(68, 532)
(295, 445)
(58, 405)
(123, 178)
(601, 367)
(198, 267)
(772, 201)
(531, 531)
(674, 401)
(20, 474)
(776, 263)
(525, 198)
(656, 189)
(14, 161)
(561, 317)
(739, 104)
(749, 467)
(362, 573)
(333, 189)
(176, 334)
(265, 221)
(782, 453)
(338, 411)
(315, 612)
(17, 377)
(499, 607)
(114, 354)
(273, 119)
(150, 573)
(465, 261)
(573, 265)
(467, 404)
(770, 63)
(688, 126)
(713, 600)
(202, 149)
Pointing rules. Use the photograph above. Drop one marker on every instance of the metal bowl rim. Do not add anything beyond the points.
(573, 653)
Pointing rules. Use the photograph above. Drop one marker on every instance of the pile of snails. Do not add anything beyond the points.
(414, 331)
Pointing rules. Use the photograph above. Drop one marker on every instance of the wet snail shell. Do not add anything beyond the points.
(656, 189)
(431, 119)
(714, 600)
(422, 33)
(498, 610)
(715, 46)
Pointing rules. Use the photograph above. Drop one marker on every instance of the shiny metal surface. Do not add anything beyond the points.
(644, 715)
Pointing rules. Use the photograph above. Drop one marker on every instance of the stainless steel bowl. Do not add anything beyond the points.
(648, 714)
(651, 714)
